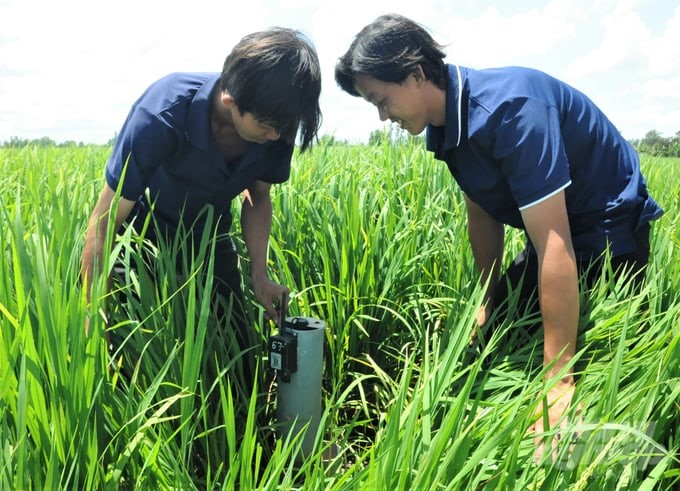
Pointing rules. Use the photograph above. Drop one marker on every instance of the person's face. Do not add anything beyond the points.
(247, 126)
(252, 130)
(401, 103)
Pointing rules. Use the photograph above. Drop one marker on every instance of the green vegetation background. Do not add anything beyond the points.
(372, 240)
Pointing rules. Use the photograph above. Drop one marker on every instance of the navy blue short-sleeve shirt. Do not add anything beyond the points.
(516, 136)
(166, 154)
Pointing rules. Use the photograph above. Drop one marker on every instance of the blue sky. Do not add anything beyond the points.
(71, 69)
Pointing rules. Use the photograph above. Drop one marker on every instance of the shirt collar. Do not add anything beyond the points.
(441, 139)
(198, 131)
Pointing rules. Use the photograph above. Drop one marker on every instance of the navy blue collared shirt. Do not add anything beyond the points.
(516, 136)
(169, 148)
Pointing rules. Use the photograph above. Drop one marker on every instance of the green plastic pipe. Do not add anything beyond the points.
(299, 401)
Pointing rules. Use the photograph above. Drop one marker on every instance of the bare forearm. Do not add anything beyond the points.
(95, 237)
(487, 241)
(91, 261)
(256, 221)
(487, 248)
(559, 299)
(88, 267)
(547, 224)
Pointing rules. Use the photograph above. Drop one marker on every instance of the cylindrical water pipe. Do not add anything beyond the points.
(299, 390)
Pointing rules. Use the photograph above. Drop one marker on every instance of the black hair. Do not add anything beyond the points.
(389, 49)
(275, 75)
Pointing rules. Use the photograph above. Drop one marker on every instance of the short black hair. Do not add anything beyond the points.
(275, 76)
(389, 49)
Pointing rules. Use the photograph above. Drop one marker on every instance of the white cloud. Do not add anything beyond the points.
(494, 39)
(633, 73)
(624, 42)
(664, 50)
(70, 70)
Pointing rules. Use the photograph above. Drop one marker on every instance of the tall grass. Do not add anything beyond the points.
(372, 240)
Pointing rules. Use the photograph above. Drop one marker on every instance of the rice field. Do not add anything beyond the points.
(372, 240)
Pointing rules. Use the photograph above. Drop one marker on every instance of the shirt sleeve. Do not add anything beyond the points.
(145, 141)
(528, 143)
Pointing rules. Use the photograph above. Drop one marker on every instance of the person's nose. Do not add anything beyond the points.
(273, 135)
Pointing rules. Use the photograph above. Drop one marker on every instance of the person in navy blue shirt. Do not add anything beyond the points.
(528, 151)
(195, 141)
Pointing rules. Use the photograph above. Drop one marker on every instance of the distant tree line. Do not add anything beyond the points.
(393, 134)
(655, 144)
(652, 143)
(45, 141)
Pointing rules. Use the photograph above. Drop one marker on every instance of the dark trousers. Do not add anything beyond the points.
(230, 339)
(229, 352)
(522, 274)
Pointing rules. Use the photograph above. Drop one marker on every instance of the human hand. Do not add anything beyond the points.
(273, 297)
(559, 399)
(483, 316)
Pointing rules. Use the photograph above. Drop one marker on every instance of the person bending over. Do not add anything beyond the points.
(194, 141)
(528, 151)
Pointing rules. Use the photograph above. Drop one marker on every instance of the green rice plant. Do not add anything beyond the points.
(372, 240)
(438, 244)
(52, 380)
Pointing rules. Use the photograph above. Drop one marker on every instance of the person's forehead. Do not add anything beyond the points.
(369, 87)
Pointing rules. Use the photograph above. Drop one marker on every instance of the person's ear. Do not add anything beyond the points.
(227, 100)
(419, 74)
